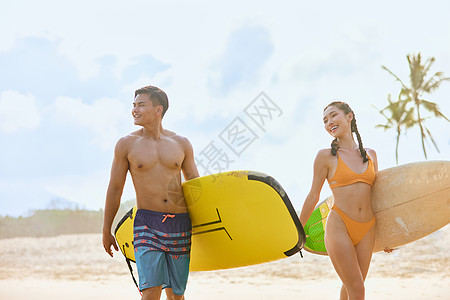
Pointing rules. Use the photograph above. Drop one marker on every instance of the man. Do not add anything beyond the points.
(162, 228)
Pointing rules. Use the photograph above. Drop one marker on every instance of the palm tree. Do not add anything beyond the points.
(400, 116)
(420, 86)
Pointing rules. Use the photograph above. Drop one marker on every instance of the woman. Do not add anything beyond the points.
(350, 171)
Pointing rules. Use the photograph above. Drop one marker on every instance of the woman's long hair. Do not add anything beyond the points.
(354, 128)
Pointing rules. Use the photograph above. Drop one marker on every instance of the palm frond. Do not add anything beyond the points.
(417, 73)
(409, 120)
(434, 82)
(433, 108)
(385, 127)
(427, 65)
(395, 76)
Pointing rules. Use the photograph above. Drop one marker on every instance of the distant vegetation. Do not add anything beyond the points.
(51, 222)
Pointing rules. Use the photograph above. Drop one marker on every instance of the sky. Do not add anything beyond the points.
(69, 69)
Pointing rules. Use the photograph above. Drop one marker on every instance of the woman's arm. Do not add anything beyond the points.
(320, 174)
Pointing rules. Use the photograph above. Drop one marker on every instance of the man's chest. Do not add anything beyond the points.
(148, 155)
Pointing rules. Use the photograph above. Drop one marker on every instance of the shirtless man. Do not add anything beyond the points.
(155, 158)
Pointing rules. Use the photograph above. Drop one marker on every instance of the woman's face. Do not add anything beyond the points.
(336, 122)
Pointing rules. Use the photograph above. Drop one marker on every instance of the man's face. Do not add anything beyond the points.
(144, 111)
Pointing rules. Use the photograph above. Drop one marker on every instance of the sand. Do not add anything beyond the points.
(76, 267)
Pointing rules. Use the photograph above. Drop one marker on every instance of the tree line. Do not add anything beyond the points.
(53, 222)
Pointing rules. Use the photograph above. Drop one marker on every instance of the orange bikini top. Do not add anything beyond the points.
(346, 176)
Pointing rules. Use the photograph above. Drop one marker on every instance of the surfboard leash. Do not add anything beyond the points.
(128, 261)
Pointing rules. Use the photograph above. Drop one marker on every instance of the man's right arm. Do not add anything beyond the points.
(119, 171)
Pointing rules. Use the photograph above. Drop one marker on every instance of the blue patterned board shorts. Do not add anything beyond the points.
(162, 245)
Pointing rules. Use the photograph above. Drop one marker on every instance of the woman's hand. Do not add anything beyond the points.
(388, 250)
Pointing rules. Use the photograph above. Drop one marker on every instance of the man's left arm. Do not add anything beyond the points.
(189, 167)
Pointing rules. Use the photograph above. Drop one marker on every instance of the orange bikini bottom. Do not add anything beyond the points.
(356, 230)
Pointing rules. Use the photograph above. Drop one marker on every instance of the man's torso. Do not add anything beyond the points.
(155, 167)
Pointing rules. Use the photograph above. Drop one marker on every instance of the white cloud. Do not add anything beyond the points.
(18, 111)
(104, 118)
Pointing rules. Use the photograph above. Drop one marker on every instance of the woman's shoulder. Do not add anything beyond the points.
(324, 155)
(324, 159)
(371, 152)
(373, 156)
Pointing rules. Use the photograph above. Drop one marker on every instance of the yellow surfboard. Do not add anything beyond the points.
(239, 218)
(409, 201)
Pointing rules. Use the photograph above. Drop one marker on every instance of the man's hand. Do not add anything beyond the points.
(108, 241)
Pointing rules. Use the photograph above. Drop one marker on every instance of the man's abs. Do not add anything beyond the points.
(161, 193)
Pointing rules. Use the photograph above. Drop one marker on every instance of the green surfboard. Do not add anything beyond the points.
(315, 228)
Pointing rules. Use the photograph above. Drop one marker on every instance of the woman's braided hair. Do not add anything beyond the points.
(334, 144)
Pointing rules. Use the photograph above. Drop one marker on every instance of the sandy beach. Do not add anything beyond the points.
(76, 267)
